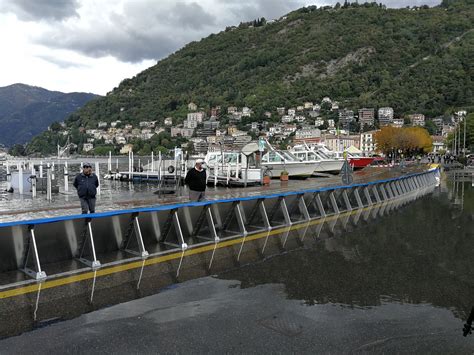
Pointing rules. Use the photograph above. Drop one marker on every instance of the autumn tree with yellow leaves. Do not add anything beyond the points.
(409, 140)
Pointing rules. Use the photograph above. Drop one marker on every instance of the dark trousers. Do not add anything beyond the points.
(87, 205)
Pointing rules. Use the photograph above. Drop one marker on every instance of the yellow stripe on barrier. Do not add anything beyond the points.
(160, 259)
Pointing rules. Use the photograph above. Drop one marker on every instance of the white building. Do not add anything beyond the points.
(417, 119)
(196, 116)
(168, 121)
(398, 122)
(102, 124)
(291, 112)
(308, 132)
(318, 122)
(385, 115)
(87, 147)
(246, 112)
(367, 143)
(287, 119)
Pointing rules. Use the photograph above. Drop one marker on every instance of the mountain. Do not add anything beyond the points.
(26, 111)
(363, 55)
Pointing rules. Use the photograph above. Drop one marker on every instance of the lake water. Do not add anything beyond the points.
(399, 283)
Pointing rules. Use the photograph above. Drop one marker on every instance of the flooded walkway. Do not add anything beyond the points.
(398, 280)
(122, 195)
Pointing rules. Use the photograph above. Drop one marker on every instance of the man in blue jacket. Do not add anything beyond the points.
(86, 184)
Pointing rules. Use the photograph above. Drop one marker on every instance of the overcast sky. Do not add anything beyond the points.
(91, 45)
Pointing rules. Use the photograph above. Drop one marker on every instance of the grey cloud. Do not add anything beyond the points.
(34, 10)
(64, 64)
(128, 46)
(246, 10)
(191, 15)
(145, 32)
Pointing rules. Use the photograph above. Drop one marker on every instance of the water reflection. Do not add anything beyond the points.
(419, 254)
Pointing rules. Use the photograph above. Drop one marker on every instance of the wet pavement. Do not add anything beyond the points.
(123, 195)
(398, 282)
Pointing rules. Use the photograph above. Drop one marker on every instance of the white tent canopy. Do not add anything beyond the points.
(353, 150)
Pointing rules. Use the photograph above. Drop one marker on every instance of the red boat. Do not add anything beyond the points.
(359, 162)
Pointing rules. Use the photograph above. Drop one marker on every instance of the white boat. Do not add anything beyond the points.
(235, 165)
(278, 161)
(324, 163)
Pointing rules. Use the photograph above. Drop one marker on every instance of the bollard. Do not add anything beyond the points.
(33, 181)
(9, 178)
(66, 178)
(109, 163)
(159, 165)
(97, 172)
(49, 196)
(152, 162)
(20, 179)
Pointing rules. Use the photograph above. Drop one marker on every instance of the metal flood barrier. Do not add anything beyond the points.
(52, 247)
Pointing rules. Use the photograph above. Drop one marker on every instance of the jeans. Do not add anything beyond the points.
(197, 195)
(87, 205)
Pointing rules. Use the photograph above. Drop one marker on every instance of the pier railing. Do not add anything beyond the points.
(51, 247)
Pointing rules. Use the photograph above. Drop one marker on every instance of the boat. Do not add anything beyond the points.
(278, 161)
(359, 162)
(324, 163)
(356, 159)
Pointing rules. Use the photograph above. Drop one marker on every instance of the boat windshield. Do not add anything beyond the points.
(322, 155)
(272, 157)
(288, 156)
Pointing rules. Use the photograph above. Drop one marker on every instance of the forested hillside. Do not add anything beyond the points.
(412, 59)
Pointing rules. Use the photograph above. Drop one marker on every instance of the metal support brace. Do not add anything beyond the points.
(334, 202)
(303, 208)
(384, 193)
(179, 231)
(35, 273)
(358, 199)
(174, 218)
(320, 205)
(394, 189)
(240, 218)
(376, 194)
(404, 186)
(263, 213)
(406, 183)
(286, 215)
(367, 196)
(206, 213)
(138, 235)
(416, 181)
(89, 237)
(400, 187)
(212, 226)
(345, 196)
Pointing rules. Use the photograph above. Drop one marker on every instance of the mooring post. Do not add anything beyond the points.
(97, 173)
(33, 182)
(9, 177)
(66, 178)
(49, 196)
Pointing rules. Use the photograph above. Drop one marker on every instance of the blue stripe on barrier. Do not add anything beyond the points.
(196, 204)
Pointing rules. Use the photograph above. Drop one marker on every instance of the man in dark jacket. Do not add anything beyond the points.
(196, 179)
(86, 184)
